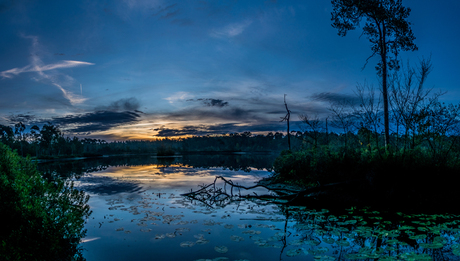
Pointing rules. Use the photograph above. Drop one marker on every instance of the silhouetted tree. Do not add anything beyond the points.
(367, 112)
(49, 137)
(315, 127)
(387, 30)
(409, 100)
(19, 130)
(6, 135)
(342, 117)
(286, 118)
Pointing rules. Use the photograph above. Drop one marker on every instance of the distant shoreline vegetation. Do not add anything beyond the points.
(50, 143)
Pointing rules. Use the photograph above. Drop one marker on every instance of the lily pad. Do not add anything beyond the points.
(434, 245)
(294, 252)
(221, 249)
(358, 256)
(202, 241)
(252, 232)
(342, 242)
(324, 258)
(297, 242)
(236, 238)
(187, 244)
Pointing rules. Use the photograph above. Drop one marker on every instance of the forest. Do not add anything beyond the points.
(50, 142)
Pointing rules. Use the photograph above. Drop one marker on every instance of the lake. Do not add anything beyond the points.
(139, 214)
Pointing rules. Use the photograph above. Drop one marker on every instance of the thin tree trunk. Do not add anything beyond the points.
(385, 87)
(287, 118)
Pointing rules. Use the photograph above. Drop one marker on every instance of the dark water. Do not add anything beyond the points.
(138, 214)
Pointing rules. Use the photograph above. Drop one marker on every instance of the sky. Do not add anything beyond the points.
(146, 69)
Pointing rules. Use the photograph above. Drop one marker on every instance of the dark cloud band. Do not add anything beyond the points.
(96, 121)
(202, 130)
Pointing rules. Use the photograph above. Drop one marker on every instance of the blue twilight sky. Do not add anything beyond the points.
(140, 69)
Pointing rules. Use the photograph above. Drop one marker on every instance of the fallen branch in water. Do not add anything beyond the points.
(211, 195)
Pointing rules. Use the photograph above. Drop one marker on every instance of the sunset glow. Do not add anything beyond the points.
(142, 70)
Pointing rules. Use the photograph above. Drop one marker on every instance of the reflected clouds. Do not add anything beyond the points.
(104, 185)
(130, 179)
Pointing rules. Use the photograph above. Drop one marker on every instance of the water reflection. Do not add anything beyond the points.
(107, 185)
(77, 168)
(129, 179)
(139, 215)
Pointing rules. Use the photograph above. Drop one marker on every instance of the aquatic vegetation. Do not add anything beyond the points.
(221, 249)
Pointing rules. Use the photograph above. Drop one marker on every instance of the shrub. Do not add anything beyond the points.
(42, 220)
(402, 179)
(317, 166)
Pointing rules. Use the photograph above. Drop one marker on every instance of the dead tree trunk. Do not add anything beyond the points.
(286, 118)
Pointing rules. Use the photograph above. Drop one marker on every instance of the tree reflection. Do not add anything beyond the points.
(77, 168)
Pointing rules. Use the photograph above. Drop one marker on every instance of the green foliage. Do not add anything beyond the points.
(315, 166)
(43, 220)
(391, 176)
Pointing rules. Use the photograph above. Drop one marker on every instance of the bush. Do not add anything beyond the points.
(42, 220)
(315, 166)
(410, 178)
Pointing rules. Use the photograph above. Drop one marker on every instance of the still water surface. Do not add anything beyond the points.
(138, 214)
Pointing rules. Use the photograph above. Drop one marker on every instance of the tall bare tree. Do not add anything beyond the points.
(315, 127)
(368, 110)
(386, 28)
(409, 99)
(342, 117)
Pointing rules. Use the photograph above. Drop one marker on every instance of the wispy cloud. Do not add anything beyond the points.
(41, 68)
(231, 30)
(36, 65)
(179, 96)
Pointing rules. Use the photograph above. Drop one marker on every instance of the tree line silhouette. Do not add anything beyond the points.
(50, 141)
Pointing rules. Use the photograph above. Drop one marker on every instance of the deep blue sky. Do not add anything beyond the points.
(134, 69)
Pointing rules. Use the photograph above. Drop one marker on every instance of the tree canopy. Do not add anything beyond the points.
(386, 28)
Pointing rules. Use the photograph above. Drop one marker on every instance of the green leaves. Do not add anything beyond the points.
(45, 219)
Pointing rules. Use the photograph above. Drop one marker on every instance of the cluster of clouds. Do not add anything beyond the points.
(218, 115)
(218, 129)
(211, 102)
(215, 113)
